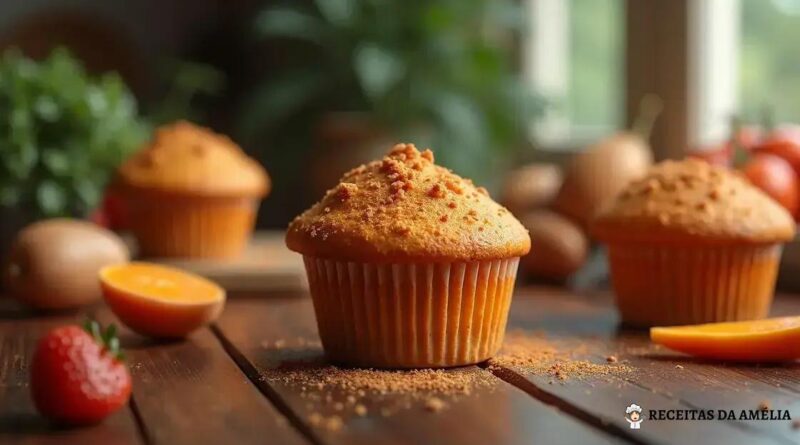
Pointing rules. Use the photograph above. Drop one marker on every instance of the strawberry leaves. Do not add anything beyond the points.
(107, 338)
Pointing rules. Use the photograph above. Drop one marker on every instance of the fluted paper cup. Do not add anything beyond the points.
(658, 285)
(411, 315)
(192, 227)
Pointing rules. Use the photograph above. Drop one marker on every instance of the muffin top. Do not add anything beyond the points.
(405, 208)
(693, 201)
(185, 158)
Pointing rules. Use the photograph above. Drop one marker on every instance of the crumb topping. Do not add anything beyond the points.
(693, 199)
(405, 206)
(183, 157)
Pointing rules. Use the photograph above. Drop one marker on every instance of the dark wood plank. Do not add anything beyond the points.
(660, 380)
(787, 377)
(191, 392)
(500, 415)
(19, 422)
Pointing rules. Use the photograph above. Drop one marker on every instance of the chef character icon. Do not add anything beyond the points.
(633, 414)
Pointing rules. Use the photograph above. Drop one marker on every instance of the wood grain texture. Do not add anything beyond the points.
(266, 266)
(212, 388)
(191, 392)
(20, 424)
(661, 379)
(501, 415)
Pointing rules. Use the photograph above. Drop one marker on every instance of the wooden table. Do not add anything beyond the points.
(210, 388)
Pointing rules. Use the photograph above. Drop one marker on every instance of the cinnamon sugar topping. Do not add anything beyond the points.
(415, 193)
(345, 191)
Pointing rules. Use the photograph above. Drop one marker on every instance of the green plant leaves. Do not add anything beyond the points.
(285, 22)
(377, 69)
(270, 104)
(52, 198)
(338, 12)
(62, 133)
(442, 70)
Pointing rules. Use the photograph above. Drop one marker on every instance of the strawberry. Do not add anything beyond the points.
(78, 376)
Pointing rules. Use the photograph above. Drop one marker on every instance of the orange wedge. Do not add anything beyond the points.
(160, 301)
(770, 340)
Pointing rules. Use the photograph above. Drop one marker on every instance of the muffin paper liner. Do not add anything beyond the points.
(193, 228)
(411, 315)
(675, 285)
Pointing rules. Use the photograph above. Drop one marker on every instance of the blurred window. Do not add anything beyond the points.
(746, 63)
(574, 56)
(769, 59)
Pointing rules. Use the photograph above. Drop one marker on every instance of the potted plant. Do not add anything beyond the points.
(437, 73)
(62, 133)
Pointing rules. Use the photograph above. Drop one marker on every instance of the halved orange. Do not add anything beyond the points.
(160, 301)
(770, 340)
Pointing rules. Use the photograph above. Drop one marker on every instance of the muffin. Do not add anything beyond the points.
(409, 265)
(693, 243)
(191, 193)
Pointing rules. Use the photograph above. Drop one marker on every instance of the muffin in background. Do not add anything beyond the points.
(409, 265)
(693, 243)
(191, 193)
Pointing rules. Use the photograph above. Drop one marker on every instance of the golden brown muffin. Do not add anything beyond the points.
(693, 243)
(184, 158)
(409, 265)
(192, 193)
(406, 208)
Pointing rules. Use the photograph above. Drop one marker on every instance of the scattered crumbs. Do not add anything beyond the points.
(434, 404)
(679, 366)
(416, 383)
(330, 423)
(764, 405)
(532, 353)
(333, 423)
(335, 394)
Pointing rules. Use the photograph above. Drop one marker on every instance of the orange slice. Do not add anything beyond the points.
(160, 301)
(770, 340)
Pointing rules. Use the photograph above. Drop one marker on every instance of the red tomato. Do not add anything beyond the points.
(115, 209)
(776, 178)
(722, 154)
(111, 213)
(100, 217)
(749, 137)
(784, 143)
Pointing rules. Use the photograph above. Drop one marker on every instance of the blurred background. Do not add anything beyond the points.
(508, 92)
